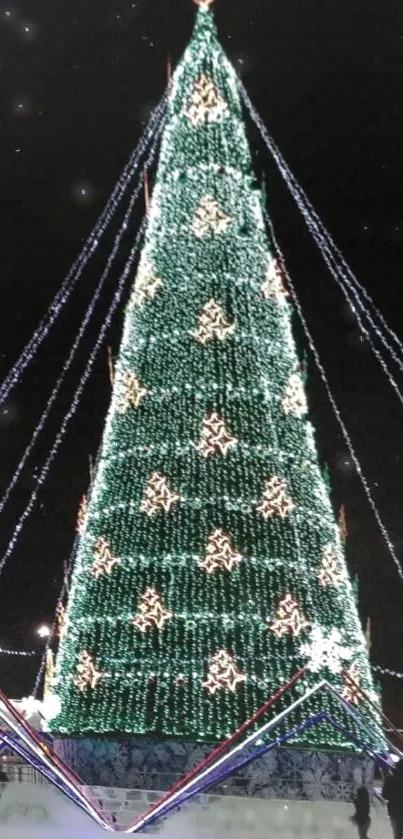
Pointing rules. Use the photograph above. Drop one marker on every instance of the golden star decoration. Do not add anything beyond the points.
(294, 400)
(351, 691)
(213, 324)
(223, 673)
(158, 495)
(331, 572)
(210, 218)
(275, 501)
(206, 104)
(87, 675)
(104, 561)
(61, 620)
(152, 611)
(82, 514)
(215, 437)
(273, 287)
(220, 555)
(290, 619)
(131, 392)
(146, 285)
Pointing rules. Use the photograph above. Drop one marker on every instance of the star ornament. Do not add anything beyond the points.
(213, 324)
(215, 437)
(331, 572)
(220, 555)
(152, 612)
(132, 392)
(210, 219)
(290, 619)
(223, 673)
(61, 621)
(158, 495)
(82, 514)
(146, 285)
(87, 675)
(325, 649)
(352, 689)
(104, 561)
(275, 501)
(273, 287)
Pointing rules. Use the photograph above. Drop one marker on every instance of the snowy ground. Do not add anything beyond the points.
(36, 811)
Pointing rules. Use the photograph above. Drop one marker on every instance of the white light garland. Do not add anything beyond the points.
(89, 249)
(66, 367)
(333, 403)
(21, 653)
(339, 268)
(74, 405)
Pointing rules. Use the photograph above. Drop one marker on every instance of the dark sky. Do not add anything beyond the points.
(77, 83)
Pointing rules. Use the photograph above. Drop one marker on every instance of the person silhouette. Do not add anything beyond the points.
(361, 817)
(393, 793)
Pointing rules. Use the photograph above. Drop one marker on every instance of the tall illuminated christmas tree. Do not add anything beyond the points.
(210, 566)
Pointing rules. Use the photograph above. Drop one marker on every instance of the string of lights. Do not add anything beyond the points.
(333, 403)
(87, 252)
(52, 633)
(350, 300)
(75, 402)
(42, 666)
(19, 653)
(385, 671)
(339, 269)
(346, 271)
(86, 321)
(59, 604)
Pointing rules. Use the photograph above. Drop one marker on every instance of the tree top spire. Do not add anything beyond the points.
(204, 3)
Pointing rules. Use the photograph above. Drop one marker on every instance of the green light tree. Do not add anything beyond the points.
(210, 566)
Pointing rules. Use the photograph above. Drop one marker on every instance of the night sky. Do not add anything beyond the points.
(78, 82)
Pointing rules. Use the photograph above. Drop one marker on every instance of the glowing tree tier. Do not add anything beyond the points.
(209, 566)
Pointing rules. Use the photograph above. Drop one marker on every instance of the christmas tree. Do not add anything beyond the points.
(210, 566)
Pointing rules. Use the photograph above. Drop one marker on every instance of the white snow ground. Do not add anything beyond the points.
(37, 811)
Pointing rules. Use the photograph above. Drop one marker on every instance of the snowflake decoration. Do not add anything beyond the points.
(209, 218)
(290, 620)
(146, 285)
(331, 571)
(325, 648)
(104, 561)
(158, 495)
(275, 501)
(152, 611)
(294, 400)
(82, 514)
(223, 673)
(206, 105)
(213, 324)
(220, 554)
(215, 437)
(131, 393)
(273, 287)
(87, 675)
